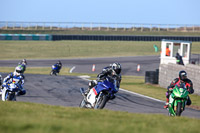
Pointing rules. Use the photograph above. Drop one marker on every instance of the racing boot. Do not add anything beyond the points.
(167, 103)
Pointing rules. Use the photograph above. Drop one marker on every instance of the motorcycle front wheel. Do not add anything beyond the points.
(178, 111)
(11, 97)
(82, 104)
(101, 102)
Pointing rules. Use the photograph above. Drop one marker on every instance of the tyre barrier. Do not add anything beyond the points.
(152, 77)
(36, 37)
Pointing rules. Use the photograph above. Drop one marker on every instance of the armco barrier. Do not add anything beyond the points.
(124, 38)
(25, 37)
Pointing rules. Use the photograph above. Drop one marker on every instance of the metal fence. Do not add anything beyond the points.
(92, 26)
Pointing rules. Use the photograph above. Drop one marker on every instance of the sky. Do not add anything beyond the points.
(102, 11)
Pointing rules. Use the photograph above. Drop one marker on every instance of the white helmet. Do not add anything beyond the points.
(117, 67)
(18, 70)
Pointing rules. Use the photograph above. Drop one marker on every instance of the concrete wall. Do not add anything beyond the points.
(168, 72)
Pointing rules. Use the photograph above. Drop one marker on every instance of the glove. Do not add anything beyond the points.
(170, 89)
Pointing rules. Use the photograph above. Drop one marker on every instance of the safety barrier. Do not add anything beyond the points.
(95, 37)
(25, 37)
(124, 38)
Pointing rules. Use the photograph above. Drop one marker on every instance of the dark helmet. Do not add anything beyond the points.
(117, 67)
(59, 63)
(183, 75)
(24, 61)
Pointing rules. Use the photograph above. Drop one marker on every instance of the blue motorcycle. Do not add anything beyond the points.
(55, 70)
(9, 91)
(99, 95)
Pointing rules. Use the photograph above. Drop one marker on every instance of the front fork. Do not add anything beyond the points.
(173, 105)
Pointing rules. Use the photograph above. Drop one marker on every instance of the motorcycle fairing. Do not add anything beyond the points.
(105, 85)
(91, 97)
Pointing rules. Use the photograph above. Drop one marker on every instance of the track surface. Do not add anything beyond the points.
(129, 64)
(64, 90)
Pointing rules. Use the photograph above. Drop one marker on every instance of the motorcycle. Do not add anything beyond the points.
(177, 100)
(99, 95)
(55, 70)
(9, 92)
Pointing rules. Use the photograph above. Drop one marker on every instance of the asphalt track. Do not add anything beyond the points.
(84, 65)
(64, 90)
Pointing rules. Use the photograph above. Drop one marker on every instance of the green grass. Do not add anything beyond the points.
(20, 117)
(36, 70)
(74, 49)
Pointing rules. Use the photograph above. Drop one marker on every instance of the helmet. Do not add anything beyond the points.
(18, 70)
(24, 61)
(59, 62)
(117, 67)
(183, 75)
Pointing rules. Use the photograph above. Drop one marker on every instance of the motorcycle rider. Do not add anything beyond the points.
(59, 65)
(114, 70)
(182, 79)
(18, 77)
(23, 64)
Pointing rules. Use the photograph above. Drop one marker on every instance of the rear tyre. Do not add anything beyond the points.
(178, 111)
(101, 103)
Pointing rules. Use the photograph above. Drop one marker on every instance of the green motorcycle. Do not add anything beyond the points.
(177, 100)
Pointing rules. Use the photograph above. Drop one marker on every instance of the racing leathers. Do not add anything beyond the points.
(59, 65)
(18, 79)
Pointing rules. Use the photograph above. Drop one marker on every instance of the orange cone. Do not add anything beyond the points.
(93, 67)
(138, 67)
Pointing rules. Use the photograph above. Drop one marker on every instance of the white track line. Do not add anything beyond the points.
(72, 69)
(129, 91)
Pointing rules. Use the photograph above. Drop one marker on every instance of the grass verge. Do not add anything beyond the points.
(35, 70)
(80, 49)
(20, 117)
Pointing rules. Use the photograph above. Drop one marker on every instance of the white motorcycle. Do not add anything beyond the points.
(99, 95)
(9, 92)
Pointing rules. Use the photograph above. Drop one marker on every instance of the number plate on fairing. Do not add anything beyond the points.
(91, 97)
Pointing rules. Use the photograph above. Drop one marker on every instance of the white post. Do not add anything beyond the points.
(133, 28)
(99, 27)
(6, 25)
(90, 26)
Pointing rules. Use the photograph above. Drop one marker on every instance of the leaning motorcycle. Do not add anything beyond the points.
(99, 95)
(177, 100)
(55, 70)
(9, 92)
